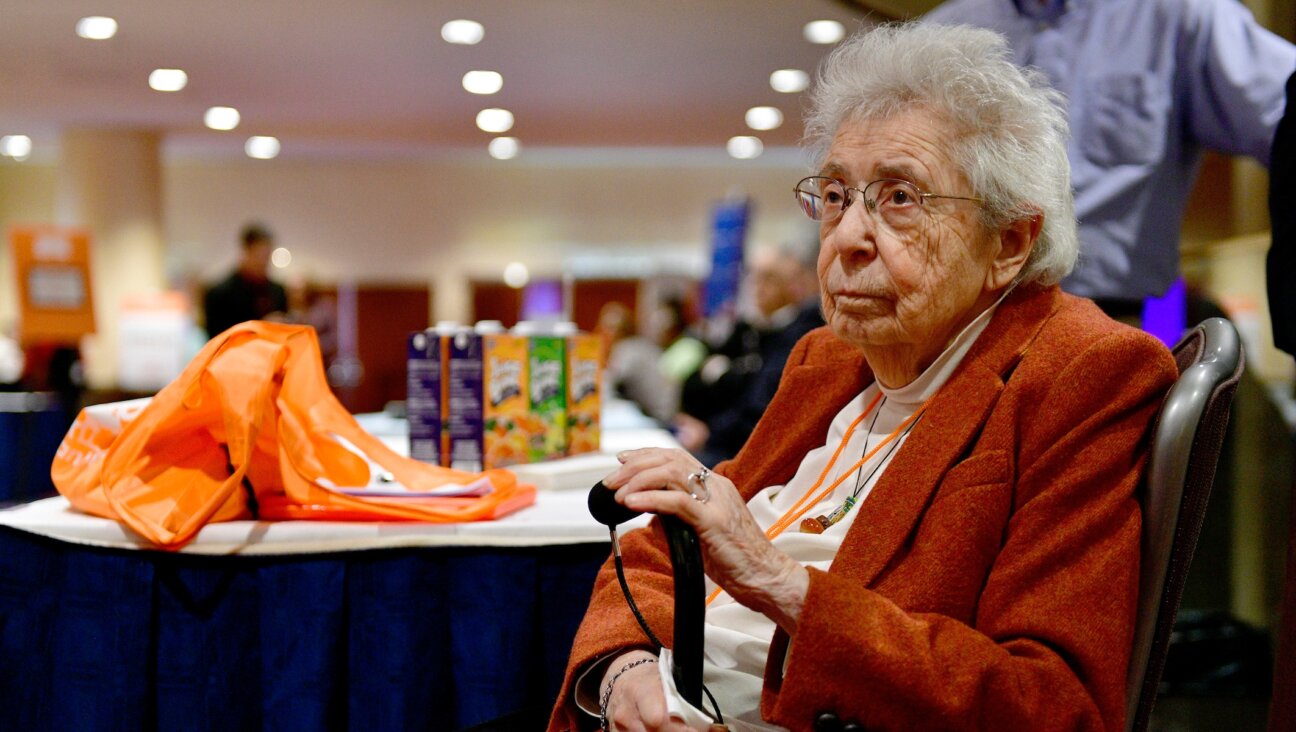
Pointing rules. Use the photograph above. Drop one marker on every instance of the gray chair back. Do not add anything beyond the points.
(1186, 442)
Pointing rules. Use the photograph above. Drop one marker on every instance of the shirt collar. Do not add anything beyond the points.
(935, 376)
(1046, 11)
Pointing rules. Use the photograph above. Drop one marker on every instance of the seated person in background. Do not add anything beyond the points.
(309, 305)
(248, 293)
(723, 400)
(682, 354)
(11, 362)
(935, 524)
(631, 362)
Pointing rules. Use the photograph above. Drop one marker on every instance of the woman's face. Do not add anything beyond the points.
(906, 292)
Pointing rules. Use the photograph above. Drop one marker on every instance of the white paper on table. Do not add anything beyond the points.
(479, 487)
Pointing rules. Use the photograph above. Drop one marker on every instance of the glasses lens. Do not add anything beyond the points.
(898, 203)
(821, 198)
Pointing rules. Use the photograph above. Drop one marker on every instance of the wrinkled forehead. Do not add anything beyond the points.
(914, 144)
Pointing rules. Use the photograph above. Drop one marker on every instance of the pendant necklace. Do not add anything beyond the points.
(820, 524)
(810, 499)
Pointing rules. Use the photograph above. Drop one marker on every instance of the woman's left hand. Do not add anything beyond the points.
(735, 551)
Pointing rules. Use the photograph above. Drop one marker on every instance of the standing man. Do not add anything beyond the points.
(1150, 85)
(248, 293)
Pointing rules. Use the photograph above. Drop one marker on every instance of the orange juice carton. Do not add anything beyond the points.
(584, 387)
(487, 417)
(547, 372)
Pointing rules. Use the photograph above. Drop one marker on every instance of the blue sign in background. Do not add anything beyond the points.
(728, 234)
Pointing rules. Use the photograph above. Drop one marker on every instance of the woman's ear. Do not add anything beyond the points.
(1014, 245)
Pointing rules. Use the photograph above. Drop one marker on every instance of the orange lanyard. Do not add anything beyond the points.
(798, 509)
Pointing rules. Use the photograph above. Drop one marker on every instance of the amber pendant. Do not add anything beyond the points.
(816, 525)
(820, 524)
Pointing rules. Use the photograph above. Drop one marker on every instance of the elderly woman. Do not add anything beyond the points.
(934, 526)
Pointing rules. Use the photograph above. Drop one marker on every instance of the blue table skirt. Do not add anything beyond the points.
(409, 639)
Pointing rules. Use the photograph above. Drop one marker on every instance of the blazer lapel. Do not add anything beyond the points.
(952, 421)
(798, 416)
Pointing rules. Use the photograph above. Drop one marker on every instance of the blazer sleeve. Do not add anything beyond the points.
(1049, 643)
(609, 626)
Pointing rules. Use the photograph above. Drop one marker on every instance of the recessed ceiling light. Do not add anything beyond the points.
(503, 148)
(96, 28)
(495, 120)
(17, 147)
(168, 80)
(281, 257)
(764, 118)
(221, 118)
(483, 82)
(744, 147)
(463, 32)
(261, 147)
(789, 81)
(516, 275)
(824, 31)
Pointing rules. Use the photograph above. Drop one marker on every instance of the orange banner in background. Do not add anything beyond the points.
(52, 264)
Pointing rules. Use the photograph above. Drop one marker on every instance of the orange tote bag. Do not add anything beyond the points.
(250, 429)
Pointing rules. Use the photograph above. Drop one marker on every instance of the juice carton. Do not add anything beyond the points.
(584, 383)
(506, 423)
(463, 401)
(424, 377)
(486, 394)
(547, 361)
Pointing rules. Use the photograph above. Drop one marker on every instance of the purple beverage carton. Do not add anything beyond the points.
(424, 378)
(486, 387)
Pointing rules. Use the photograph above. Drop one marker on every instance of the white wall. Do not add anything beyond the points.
(27, 195)
(439, 220)
(443, 221)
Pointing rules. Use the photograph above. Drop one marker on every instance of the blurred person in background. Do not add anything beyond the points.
(724, 399)
(247, 293)
(11, 362)
(682, 353)
(1151, 85)
(632, 364)
(1280, 261)
(309, 305)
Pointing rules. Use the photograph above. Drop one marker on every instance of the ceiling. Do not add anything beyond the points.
(356, 76)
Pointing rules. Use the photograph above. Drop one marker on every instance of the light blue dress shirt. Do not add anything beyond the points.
(1150, 85)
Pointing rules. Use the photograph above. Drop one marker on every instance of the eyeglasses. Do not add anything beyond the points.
(899, 204)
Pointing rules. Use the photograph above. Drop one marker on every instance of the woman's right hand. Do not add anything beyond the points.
(637, 702)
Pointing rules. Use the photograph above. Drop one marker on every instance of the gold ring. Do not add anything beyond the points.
(699, 479)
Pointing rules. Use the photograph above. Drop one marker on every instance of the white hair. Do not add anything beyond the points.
(1009, 126)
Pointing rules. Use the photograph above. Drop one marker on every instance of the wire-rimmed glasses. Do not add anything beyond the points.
(898, 204)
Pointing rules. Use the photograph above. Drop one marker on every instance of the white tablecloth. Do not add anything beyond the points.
(559, 515)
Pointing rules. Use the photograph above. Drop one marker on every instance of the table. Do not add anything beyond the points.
(290, 625)
(31, 426)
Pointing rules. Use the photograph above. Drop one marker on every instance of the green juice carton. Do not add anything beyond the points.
(547, 374)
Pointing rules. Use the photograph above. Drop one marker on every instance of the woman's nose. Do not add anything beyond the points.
(854, 233)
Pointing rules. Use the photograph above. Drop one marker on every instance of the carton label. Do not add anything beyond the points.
(506, 424)
(548, 364)
(585, 381)
(506, 380)
(423, 396)
(464, 402)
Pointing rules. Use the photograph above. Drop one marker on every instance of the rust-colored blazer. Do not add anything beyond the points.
(990, 578)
